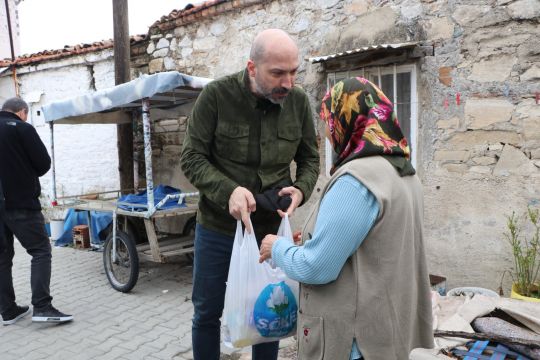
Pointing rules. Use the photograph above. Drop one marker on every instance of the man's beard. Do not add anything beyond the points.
(267, 93)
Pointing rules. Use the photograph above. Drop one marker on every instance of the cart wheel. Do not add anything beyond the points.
(122, 272)
(189, 229)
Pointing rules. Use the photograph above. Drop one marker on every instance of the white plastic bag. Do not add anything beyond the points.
(260, 301)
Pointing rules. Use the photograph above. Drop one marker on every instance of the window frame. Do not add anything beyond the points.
(382, 70)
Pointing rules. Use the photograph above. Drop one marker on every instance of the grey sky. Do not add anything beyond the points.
(51, 24)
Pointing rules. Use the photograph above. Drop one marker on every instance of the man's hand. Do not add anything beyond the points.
(241, 204)
(266, 247)
(296, 197)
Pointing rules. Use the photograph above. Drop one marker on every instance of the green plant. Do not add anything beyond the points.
(526, 252)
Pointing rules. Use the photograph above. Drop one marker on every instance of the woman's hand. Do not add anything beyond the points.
(297, 237)
(266, 247)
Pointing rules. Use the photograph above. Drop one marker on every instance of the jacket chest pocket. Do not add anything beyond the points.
(232, 141)
(288, 139)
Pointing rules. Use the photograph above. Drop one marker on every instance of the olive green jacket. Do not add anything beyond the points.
(237, 139)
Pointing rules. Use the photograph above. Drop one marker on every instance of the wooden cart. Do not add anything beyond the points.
(172, 92)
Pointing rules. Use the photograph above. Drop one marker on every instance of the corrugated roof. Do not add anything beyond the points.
(318, 59)
(66, 51)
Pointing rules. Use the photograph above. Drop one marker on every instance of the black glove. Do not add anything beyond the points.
(271, 201)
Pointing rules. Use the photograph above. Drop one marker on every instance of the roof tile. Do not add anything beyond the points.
(67, 51)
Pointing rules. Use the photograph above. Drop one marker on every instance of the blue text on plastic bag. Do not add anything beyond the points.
(275, 310)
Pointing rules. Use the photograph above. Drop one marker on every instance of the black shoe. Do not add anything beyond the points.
(12, 316)
(50, 315)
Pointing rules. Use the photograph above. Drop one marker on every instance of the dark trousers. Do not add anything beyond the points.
(29, 228)
(210, 271)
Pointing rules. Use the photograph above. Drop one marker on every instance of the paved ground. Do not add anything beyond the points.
(153, 321)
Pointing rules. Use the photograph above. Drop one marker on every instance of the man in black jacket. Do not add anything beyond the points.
(2, 235)
(23, 159)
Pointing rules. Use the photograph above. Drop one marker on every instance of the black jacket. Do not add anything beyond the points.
(23, 159)
(2, 234)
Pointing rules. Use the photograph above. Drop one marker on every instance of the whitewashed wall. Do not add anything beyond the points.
(86, 155)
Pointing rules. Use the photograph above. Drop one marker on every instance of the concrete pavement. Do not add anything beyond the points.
(153, 321)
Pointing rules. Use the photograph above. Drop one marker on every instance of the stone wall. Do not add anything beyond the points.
(479, 121)
(478, 157)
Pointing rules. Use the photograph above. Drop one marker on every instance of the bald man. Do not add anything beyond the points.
(244, 132)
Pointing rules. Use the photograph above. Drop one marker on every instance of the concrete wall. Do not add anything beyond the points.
(478, 160)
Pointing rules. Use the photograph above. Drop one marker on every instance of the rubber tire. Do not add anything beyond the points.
(189, 227)
(133, 261)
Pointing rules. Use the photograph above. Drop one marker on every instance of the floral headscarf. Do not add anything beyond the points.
(362, 123)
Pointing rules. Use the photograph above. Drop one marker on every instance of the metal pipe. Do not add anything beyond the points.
(15, 81)
(395, 90)
(135, 153)
(148, 152)
(89, 220)
(114, 237)
(180, 198)
(54, 199)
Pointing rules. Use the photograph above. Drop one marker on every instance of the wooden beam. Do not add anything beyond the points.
(122, 74)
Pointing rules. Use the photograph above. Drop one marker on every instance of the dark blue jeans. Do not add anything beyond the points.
(29, 228)
(210, 271)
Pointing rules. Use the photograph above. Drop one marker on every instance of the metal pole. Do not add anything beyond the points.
(54, 199)
(180, 198)
(395, 91)
(114, 237)
(135, 153)
(148, 153)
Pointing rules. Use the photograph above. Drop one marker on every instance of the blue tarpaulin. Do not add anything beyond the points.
(100, 220)
(73, 110)
(141, 200)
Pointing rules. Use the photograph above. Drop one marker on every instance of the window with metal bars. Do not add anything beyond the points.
(399, 85)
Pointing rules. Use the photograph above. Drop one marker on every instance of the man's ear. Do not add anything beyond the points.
(22, 114)
(251, 68)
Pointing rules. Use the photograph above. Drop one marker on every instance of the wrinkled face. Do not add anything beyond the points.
(274, 76)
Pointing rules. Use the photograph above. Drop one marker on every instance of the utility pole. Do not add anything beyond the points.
(122, 74)
(10, 31)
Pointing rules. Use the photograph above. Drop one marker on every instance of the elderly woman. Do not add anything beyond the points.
(364, 284)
